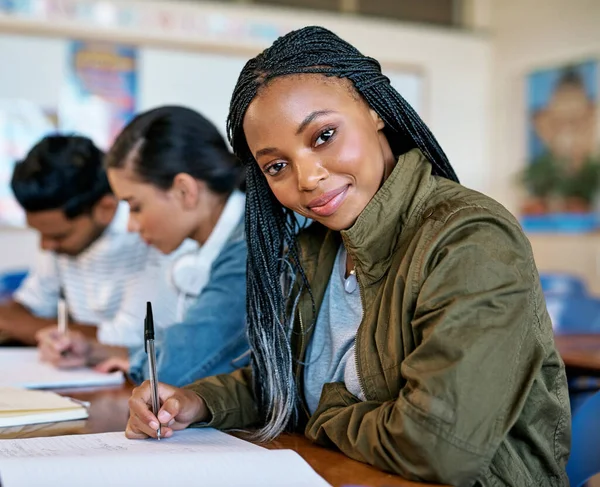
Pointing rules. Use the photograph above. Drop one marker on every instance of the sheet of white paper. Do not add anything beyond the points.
(191, 457)
(21, 367)
(190, 440)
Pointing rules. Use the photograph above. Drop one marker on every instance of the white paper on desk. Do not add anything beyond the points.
(191, 457)
(21, 367)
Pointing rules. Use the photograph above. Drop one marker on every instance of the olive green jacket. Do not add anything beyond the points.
(455, 351)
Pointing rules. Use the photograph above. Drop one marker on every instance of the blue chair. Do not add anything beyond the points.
(573, 313)
(562, 284)
(10, 282)
(584, 461)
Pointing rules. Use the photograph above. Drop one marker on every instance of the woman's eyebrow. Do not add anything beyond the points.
(265, 152)
(311, 117)
(301, 127)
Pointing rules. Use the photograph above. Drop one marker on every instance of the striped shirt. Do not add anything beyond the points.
(107, 285)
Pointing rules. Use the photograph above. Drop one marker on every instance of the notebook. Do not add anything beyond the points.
(190, 457)
(21, 367)
(20, 407)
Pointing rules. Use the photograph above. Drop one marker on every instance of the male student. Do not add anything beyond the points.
(105, 273)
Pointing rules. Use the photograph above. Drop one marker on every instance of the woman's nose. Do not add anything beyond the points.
(310, 173)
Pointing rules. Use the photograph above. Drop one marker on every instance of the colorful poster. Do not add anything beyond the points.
(563, 172)
(99, 96)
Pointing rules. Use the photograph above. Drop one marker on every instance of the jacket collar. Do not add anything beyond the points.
(374, 236)
(371, 241)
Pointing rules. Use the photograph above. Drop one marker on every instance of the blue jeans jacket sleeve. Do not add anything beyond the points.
(213, 334)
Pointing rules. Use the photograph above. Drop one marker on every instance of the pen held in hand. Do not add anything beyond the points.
(62, 316)
(149, 344)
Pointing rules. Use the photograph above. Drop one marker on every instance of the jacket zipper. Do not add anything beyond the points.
(362, 302)
(302, 354)
(301, 335)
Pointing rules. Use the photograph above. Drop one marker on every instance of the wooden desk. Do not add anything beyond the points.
(337, 468)
(109, 411)
(581, 353)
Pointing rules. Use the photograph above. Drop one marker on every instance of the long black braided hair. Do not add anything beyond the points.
(271, 229)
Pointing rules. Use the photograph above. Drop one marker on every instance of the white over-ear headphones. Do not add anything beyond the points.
(191, 271)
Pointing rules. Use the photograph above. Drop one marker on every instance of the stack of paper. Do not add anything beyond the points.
(191, 457)
(21, 367)
(20, 407)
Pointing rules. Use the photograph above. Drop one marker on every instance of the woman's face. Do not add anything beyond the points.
(320, 147)
(157, 215)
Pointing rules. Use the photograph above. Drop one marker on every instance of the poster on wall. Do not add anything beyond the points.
(562, 175)
(96, 98)
(99, 95)
(22, 124)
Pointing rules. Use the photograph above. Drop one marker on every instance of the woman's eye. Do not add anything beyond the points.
(134, 209)
(274, 169)
(324, 137)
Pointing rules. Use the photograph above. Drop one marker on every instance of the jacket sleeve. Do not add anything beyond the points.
(230, 400)
(228, 396)
(477, 328)
(213, 335)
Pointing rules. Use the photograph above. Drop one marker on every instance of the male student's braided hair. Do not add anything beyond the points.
(271, 229)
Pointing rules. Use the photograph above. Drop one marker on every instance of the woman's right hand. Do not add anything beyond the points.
(180, 408)
(68, 350)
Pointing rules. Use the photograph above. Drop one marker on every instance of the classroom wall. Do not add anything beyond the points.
(17, 248)
(528, 35)
(455, 65)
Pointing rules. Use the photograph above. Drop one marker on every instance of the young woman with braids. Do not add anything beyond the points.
(414, 334)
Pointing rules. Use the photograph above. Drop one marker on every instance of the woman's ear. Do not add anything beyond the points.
(186, 189)
(379, 123)
(104, 210)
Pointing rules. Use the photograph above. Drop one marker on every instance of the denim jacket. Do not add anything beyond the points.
(212, 338)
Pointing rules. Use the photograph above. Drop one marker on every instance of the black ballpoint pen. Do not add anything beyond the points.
(149, 346)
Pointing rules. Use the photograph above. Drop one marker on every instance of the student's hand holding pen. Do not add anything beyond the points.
(74, 349)
(180, 408)
(64, 350)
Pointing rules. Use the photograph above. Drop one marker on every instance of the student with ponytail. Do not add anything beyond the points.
(184, 189)
(409, 330)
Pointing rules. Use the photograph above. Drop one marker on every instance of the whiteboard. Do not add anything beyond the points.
(32, 68)
(205, 81)
(199, 80)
